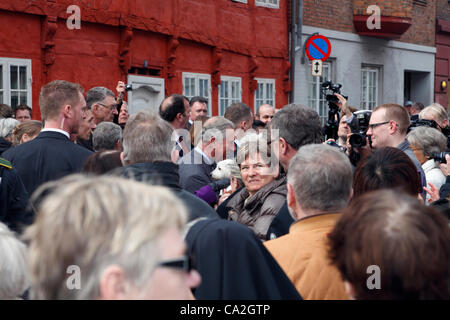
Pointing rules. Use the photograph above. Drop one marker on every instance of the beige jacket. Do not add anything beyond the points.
(303, 256)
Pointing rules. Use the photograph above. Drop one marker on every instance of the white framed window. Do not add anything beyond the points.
(369, 87)
(243, 1)
(265, 93)
(268, 3)
(15, 82)
(230, 91)
(316, 100)
(197, 84)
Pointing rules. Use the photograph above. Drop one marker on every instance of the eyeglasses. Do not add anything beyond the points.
(374, 125)
(111, 107)
(184, 263)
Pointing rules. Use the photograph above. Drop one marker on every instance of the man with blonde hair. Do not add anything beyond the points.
(109, 238)
(51, 155)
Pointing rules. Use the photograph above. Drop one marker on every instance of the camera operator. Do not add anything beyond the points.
(353, 123)
(437, 113)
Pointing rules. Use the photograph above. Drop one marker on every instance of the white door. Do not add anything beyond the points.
(147, 94)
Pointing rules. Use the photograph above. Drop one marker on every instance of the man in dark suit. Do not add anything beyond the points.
(175, 110)
(198, 108)
(51, 155)
(216, 145)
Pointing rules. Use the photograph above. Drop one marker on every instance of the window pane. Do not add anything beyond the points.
(23, 97)
(186, 88)
(14, 79)
(1, 78)
(14, 99)
(192, 93)
(23, 77)
(1, 97)
(270, 92)
(201, 87)
(225, 89)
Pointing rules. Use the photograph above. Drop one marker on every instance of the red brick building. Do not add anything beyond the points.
(226, 50)
(442, 52)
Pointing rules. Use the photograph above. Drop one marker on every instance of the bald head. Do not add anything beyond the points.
(265, 113)
(173, 109)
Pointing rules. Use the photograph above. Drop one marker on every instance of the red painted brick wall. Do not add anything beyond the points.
(442, 51)
(252, 42)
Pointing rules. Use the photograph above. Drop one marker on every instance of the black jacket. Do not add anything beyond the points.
(50, 156)
(195, 173)
(280, 224)
(234, 264)
(4, 145)
(166, 174)
(13, 199)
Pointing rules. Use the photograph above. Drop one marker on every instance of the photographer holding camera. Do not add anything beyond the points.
(352, 130)
(437, 113)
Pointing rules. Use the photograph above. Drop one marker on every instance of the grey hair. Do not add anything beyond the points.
(298, 125)
(216, 127)
(95, 222)
(147, 138)
(106, 135)
(430, 140)
(97, 94)
(321, 177)
(14, 273)
(7, 126)
(436, 110)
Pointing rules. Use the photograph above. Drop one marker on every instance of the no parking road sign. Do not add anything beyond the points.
(318, 48)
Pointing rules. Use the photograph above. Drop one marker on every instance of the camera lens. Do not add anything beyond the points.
(357, 140)
(440, 156)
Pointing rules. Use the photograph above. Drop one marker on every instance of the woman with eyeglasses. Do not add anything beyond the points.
(425, 142)
(264, 193)
(108, 238)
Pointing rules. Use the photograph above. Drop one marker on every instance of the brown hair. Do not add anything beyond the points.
(409, 242)
(55, 94)
(5, 111)
(22, 107)
(31, 128)
(398, 114)
(102, 162)
(386, 168)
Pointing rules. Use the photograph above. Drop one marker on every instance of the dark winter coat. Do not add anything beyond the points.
(258, 211)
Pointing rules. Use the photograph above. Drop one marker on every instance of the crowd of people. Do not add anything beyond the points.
(100, 204)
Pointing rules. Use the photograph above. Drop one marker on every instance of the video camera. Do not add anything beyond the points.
(359, 128)
(423, 123)
(328, 90)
